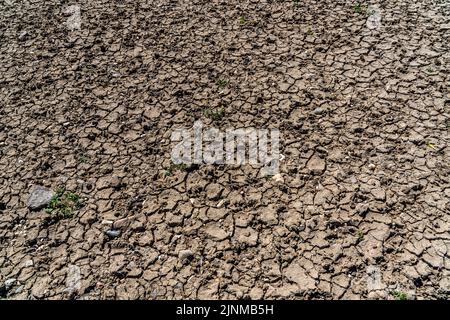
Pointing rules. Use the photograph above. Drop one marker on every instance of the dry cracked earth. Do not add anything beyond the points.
(360, 209)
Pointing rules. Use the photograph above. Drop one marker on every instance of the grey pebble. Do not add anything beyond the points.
(39, 197)
(318, 110)
(185, 254)
(9, 283)
(113, 233)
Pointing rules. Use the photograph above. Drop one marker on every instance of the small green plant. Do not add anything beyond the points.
(180, 166)
(215, 115)
(242, 20)
(222, 83)
(370, 12)
(398, 295)
(431, 146)
(168, 173)
(360, 235)
(175, 167)
(296, 2)
(358, 8)
(63, 204)
(83, 158)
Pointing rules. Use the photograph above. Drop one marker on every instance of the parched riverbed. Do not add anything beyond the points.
(91, 205)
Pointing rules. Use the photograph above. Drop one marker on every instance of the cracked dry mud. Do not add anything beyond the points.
(362, 206)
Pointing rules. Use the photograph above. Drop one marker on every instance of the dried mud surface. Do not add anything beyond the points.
(362, 209)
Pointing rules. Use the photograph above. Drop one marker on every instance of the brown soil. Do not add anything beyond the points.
(362, 207)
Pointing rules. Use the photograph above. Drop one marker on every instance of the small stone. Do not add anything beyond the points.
(23, 35)
(107, 222)
(113, 233)
(316, 165)
(29, 263)
(185, 255)
(122, 223)
(19, 290)
(10, 283)
(371, 166)
(318, 110)
(214, 191)
(221, 203)
(174, 220)
(73, 278)
(278, 178)
(362, 209)
(39, 197)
